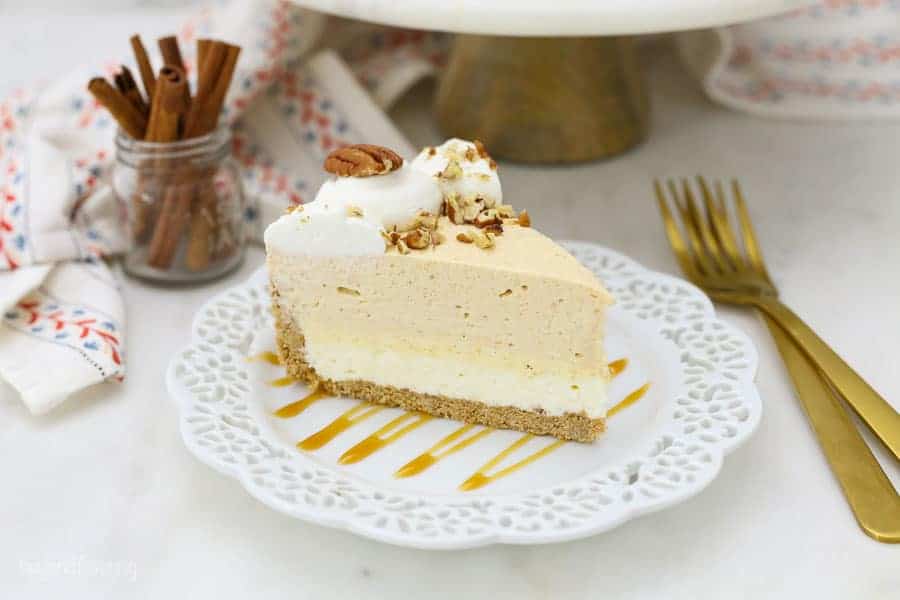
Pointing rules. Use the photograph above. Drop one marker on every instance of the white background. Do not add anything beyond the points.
(101, 498)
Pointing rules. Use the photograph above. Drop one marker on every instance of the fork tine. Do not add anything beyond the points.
(682, 254)
(727, 230)
(701, 258)
(754, 254)
(720, 198)
(706, 235)
(718, 222)
(703, 233)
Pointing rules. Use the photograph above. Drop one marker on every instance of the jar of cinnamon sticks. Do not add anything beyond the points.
(180, 194)
(182, 206)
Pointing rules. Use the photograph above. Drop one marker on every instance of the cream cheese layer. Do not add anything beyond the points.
(454, 377)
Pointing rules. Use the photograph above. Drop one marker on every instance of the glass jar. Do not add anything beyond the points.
(182, 206)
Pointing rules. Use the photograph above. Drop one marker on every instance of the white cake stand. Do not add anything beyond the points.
(548, 80)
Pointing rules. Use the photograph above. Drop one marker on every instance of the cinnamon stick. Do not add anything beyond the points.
(202, 48)
(171, 53)
(214, 79)
(123, 111)
(208, 72)
(203, 226)
(173, 216)
(142, 212)
(126, 84)
(169, 104)
(217, 98)
(209, 69)
(144, 66)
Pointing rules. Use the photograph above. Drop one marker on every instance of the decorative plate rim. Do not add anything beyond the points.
(222, 429)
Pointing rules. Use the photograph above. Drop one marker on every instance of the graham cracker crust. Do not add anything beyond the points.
(291, 345)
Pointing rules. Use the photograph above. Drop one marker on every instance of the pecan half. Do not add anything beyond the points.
(362, 160)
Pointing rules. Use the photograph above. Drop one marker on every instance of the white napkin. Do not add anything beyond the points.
(839, 59)
(292, 101)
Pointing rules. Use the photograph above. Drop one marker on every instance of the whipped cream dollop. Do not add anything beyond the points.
(462, 167)
(349, 214)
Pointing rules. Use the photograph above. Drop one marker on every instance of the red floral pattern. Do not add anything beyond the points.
(81, 328)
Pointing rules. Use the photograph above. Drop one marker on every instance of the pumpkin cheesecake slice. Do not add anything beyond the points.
(413, 285)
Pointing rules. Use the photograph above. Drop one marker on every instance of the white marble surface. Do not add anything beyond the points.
(101, 499)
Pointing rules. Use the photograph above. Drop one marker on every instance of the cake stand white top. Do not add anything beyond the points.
(554, 17)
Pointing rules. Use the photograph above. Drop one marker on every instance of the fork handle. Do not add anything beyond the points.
(874, 410)
(869, 492)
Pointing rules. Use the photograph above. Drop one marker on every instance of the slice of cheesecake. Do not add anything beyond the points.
(414, 286)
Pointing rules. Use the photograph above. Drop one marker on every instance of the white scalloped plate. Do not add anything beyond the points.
(701, 404)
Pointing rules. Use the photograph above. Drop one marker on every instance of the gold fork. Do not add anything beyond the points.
(734, 273)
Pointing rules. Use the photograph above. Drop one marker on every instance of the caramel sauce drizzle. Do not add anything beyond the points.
(283, 381)
(481, 477)
(270, 357)
(383, 437)
(357, 414)
(273, 359)
(629, 400)
(434, 454)
(617, 366)
(295, 408)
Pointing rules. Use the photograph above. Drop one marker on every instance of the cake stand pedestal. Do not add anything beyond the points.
(543, 99)
(548, 82)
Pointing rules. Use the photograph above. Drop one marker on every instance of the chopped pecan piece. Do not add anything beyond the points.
(524, 219)
(483, 239)
(471, 208)
(451, 171)
(418, 239)
(488, 217)
(452, 209)
(506, 211)
(426, 220)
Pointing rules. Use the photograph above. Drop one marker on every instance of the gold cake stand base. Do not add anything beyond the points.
(544, 100)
